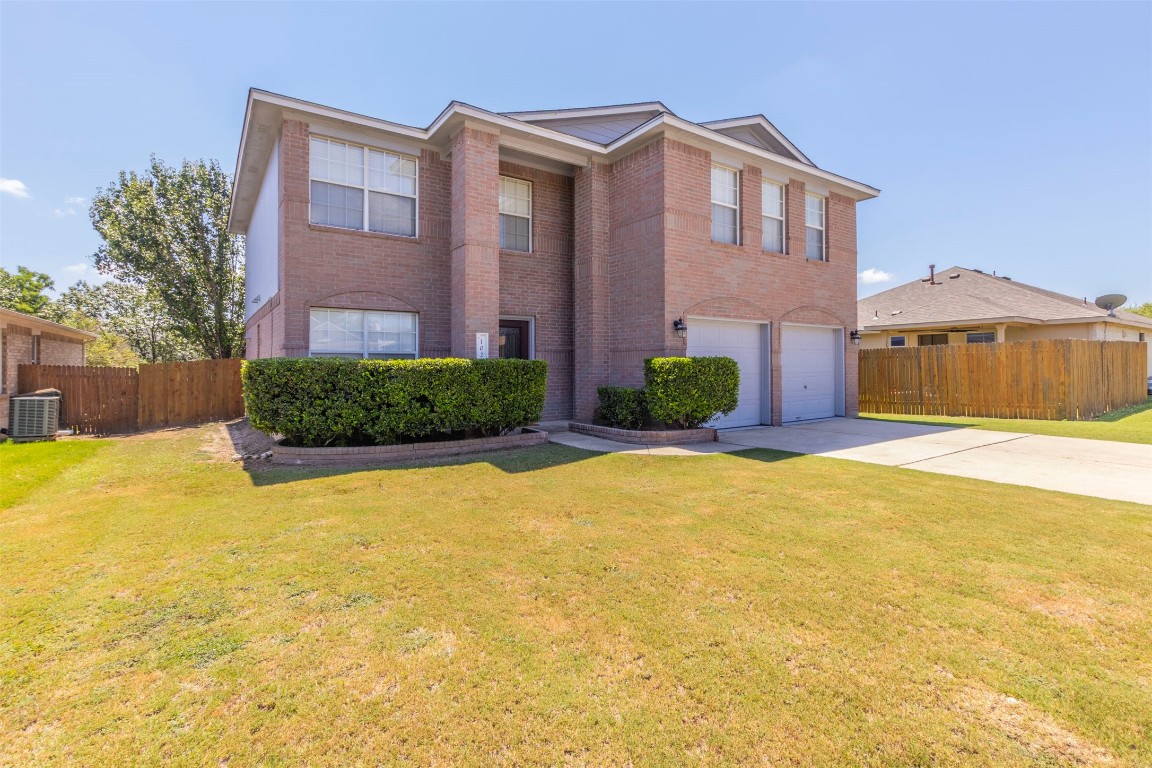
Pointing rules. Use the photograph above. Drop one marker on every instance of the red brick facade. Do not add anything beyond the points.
(620, 251)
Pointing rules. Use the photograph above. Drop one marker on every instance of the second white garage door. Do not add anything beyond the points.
(809, 366)
(741, 342)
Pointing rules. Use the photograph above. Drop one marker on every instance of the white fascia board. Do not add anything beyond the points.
(1101, 319)
(764, 123)
(286, 102)
(38, 325)
(861, 191)
(469, 112)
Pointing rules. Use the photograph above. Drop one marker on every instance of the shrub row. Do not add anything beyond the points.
(681, 392)
(335, 401)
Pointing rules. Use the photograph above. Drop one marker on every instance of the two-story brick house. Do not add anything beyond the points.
(590, 238)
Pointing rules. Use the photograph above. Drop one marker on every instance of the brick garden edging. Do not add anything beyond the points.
(646, 437)
(370, 455)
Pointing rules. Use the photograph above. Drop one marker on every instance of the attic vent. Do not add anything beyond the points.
(954, 275)
(897, 312)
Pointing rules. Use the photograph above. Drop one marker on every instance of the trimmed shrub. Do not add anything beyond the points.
(336, 401)
(621, 407)
(686, 392)
(509, 393)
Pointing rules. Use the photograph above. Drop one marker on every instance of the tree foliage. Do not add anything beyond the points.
(132, 322)
(166, 231)
(1143, 309)
(23, 291)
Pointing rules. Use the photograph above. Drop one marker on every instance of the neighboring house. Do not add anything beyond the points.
(583, 237)
(968, 306)
(28, 339)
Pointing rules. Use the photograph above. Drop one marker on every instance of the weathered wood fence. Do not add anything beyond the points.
(102, 401)
(1052, 379)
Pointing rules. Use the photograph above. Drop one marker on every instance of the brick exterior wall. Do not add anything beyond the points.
(619, 252)
(17, 350)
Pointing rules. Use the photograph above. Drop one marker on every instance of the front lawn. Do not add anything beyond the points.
(161, 606)
(1127, 425)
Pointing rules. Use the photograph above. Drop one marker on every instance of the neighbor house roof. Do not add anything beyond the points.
(574, 137)
(970, 296)
(39, 324)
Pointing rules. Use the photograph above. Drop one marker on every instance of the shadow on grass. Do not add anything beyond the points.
(1123, 413)
(512, 461)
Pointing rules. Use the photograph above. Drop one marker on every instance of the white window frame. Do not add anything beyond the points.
(712, 195)
(823, 228)
(364, 336)
(968, 337)
(365, 185)
(782, 218)
(531, 206)
(892, 341)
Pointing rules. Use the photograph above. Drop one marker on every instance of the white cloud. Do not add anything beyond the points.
(75, 269)
(61, 213)
(871, 276)
(76, 200)
(14, 187)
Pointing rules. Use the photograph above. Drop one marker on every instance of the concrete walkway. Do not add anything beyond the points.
(1105, 469)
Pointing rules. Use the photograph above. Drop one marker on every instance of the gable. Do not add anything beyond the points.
(600, 129)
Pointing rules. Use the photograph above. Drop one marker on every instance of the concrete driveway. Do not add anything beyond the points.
(1105, 469)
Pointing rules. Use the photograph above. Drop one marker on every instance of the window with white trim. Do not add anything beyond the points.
(814, 227)
(772, 214)
(896, 341)
(515, 215)
(344, 176)
(982, 337)
(361, 333)
(725, 205)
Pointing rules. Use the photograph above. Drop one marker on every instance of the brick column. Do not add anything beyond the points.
(751, 223)
(475, 241)
(794, 218)
(591, 292)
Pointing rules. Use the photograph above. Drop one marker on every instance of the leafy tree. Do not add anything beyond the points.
(166, 231)
(1144, 309)
(23, 291)
(127, 313)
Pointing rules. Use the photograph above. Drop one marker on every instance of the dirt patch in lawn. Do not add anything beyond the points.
(237, 437)
(1042, 736)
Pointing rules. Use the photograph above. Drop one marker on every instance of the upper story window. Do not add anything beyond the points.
(814, 227)
(772, 213)
(725, 205)
(359, 333)
(515, 215)
(345, 176)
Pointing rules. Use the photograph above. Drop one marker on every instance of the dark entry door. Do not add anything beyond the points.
(514, 338)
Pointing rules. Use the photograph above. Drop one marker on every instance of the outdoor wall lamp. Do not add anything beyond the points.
(679, 327)
(855, 337)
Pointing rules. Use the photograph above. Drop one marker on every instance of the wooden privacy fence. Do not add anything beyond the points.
(1052, 379)
(101, 401)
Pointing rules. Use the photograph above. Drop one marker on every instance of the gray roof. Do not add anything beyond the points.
(968, 296)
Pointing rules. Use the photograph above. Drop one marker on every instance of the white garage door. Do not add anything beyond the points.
(808, 369)
(741, 342)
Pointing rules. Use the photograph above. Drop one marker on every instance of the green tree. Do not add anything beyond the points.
(23, 291)
(167, 232)
(128, 313)
(1144, 309)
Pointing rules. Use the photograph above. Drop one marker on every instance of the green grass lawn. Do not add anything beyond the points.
(1128, 425)
(161, 606)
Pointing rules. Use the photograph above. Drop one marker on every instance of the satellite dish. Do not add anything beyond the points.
(1110, 301)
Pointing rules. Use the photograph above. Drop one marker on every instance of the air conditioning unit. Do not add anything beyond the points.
(33, 418)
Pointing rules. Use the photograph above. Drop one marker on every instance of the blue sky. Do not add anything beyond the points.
(1008, 137)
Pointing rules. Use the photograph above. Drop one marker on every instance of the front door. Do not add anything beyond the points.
(514, 338)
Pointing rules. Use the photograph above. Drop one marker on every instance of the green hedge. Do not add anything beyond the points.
(621, 407)
(689, 391)
(335, 401)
